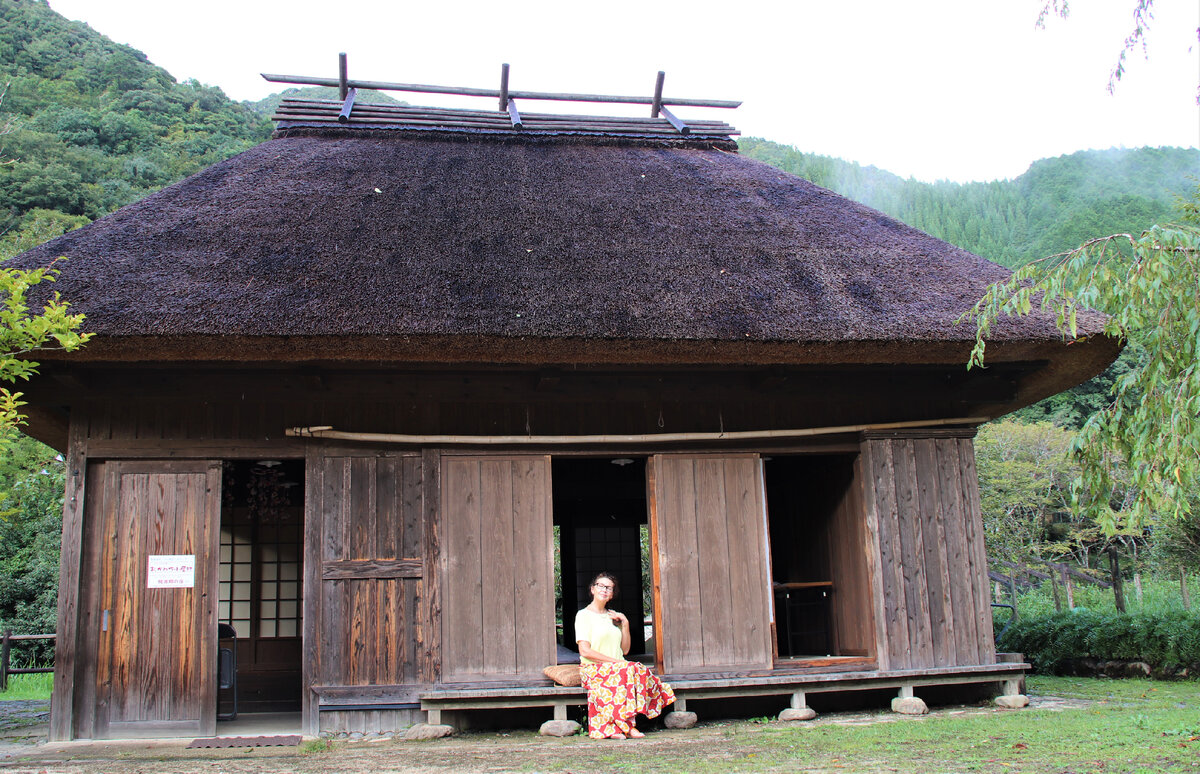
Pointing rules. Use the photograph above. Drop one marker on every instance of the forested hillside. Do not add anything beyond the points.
(1056, 205)
(92, 125)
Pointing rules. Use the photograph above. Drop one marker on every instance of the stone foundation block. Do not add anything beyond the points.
(1012, 702)
(803, 713)
(910, 705)
(427, 731)
(559, 728)
(680, 719)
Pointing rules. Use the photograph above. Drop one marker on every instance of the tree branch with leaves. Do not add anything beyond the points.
(24, 332)
(1139, 456)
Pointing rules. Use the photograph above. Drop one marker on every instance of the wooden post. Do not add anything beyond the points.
(658, 87)
(1070, 589)
(504, 87)
(1054, 589)
(343, 81)
(1183, 589)
(5, 644)
(69, 646)
(1114, 569)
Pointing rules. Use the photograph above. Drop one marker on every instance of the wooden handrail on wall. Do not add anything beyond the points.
(6, 641)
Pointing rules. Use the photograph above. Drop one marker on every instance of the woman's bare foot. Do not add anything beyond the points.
(618, 737)
(635, 734)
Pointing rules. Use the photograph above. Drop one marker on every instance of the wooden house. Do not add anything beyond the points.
(528, 336)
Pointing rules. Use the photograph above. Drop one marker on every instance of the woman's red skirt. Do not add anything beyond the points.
(618, 691)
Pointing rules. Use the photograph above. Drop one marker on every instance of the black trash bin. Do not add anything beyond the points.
(227, 669)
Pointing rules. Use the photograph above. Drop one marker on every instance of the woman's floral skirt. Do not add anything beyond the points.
(619, 690)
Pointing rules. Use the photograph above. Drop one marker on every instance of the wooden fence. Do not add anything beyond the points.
(6, 669)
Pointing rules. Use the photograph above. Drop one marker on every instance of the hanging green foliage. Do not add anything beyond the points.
(1139, 455)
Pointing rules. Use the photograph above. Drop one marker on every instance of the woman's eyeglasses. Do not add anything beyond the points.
(604, 586)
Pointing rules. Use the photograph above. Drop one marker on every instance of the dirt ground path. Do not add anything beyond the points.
(706, 748)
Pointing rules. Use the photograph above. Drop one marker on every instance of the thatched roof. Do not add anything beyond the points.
(396, 246)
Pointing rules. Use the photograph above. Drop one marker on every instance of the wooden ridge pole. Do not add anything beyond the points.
(326, 431)
(550, 96)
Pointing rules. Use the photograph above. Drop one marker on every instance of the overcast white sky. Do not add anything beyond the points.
(933, 89)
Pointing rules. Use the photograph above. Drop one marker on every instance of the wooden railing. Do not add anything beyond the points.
(6, 641)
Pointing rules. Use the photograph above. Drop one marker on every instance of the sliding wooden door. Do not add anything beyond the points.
(711, 564)
(498, 568)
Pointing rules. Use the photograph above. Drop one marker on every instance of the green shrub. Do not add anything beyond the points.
(1169, 638)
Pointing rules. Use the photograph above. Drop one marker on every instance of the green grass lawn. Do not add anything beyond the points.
(1128, 726)
(1076, 725)
(36, 686)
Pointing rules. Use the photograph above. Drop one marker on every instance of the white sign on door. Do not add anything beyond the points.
(171, 571)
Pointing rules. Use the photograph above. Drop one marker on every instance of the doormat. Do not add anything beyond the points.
(290, 740)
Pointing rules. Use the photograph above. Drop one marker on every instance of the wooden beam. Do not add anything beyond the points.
(680, 126)
(513, 115)
(318, 105)
(354, 569)
(495, 93)
(347, 106)
(325, 431)
(658, 87)
(504, 87)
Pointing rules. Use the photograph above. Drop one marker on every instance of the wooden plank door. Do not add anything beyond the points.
(497, 568)
(711, 566)
(156, 674)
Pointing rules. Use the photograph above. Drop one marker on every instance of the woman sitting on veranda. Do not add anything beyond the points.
(617, 689)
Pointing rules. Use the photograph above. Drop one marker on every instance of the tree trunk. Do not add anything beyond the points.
(1012, 594)
(1183, 589)
(1070, 589)
(1137, 576)
(1114, 569)
(1054, 588)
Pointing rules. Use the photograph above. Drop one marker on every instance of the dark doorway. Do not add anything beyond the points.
(261, 554)
(818, 565)
(600, 516)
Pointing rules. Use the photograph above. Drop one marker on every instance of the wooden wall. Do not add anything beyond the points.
(128, 410)
(378, 546)
(925, 534)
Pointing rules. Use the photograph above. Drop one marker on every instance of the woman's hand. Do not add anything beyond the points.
(620, 620)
